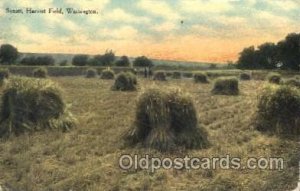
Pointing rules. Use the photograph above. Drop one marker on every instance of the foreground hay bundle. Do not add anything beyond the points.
(166, 120)
(33, 104)
(40, 73)
(278, 110)
(274, 78)
(292, 82)
(4, 75)
(91, 73)
(107, 74)
(245, 76)
(200, 77)
(160, 76)
(176, 75)
(226, 86)
(125, 81)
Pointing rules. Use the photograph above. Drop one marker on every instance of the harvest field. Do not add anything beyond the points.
(87, 157)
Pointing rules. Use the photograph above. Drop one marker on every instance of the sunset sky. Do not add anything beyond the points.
(211, 31)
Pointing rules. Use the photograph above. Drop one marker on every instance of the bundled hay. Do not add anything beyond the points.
(4, 75)
(91, 73)
(245, 76)
(160, 76)
(187, 74)
(278, 110)
(176, 75)
(166, 120)
(40, 73)
(226, 86)
(200, 77)
(32, 104)
(274, 78)
(107, 74)
(292, 82)
(125, 81)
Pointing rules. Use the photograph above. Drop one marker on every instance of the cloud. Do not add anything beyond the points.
(29, 3)
(88, 4)
(124, 32)
(212, 6)
(285, 5)
(165, 27)
(158, 8)
(119, 14)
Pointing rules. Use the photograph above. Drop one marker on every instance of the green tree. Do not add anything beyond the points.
(80, 60)
(8, 54)
(123, 61)
(142, 61)
(289, 51)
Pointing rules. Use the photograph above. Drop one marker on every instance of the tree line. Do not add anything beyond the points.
(9, 55)
(284, 55)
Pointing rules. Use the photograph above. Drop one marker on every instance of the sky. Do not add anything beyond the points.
(184, 30)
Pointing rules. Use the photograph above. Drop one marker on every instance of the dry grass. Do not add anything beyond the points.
(87, 157)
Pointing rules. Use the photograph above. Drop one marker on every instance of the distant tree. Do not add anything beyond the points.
(80, 60)
(108, 58)
(38, 61)
(8, 54)
(142, 61)
(63, 63)
(95, 61)
(267, 56)
(45, 61)
(29, 60)
(289, 51)
(123, 61)
(212, 66)
(247, 59)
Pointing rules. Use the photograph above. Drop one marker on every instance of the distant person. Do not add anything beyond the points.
(150, 72)
(145, 73)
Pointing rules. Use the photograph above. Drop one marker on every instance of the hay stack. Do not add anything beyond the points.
(245, 76)
(166, 120)
(125, 81)
(176, 75)
(4, 75)
(278, 110)
(226, 86)
(274, 78)
(292, 82)
(200, 77)
(91, 73)
(107, 74)
(40, 72)
(160, 76)
(32, 104)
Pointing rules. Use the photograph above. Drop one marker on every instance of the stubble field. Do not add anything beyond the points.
(86, 158)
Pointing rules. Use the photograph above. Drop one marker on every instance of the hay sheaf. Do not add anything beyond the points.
(125, 81)
(107, 74)
(200, 77)
(226, 86)
(245, 76)
(160, 76)
(33, 104)
(40, 73)
(274, 77)
(91, 73)
(278, 110)
(166, 120)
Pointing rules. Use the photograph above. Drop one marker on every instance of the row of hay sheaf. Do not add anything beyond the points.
(30, 104)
